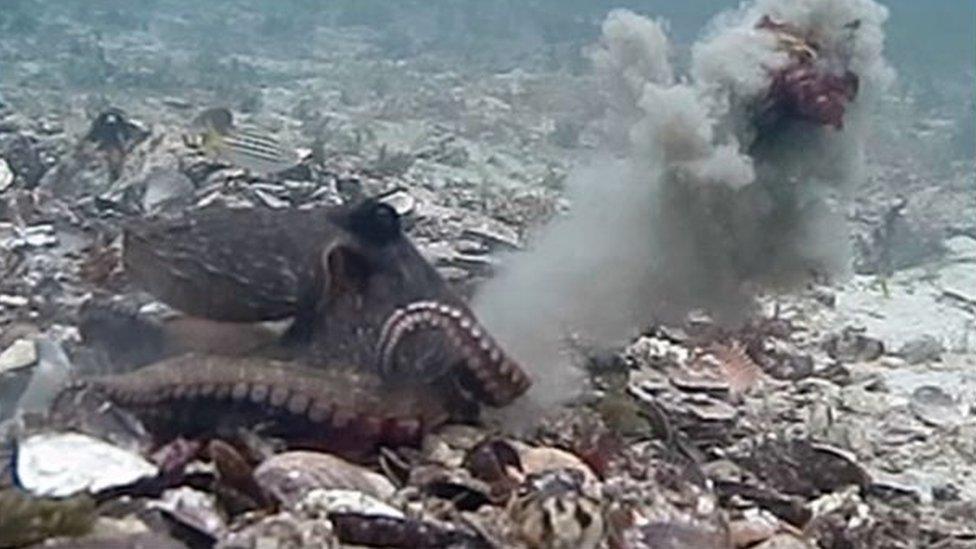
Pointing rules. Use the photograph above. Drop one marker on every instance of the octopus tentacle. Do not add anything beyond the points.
(500, 380)
(338, 400)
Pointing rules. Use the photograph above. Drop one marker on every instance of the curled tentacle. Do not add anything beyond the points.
(498, 378)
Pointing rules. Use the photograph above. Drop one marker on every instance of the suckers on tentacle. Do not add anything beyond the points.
(196, 393)
(499, 380)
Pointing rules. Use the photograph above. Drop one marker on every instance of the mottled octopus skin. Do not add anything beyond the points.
(196, 394)
(247, 265)
(252, 265)
(261, 267)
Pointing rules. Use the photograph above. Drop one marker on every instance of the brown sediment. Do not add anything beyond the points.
(499, 380)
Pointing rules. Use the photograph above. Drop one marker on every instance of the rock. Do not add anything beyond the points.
(20, 354)
(292, 475)
(62, 464)
(935, 407)
(924, 348)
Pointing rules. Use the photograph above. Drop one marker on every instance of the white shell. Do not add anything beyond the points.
(62, 464)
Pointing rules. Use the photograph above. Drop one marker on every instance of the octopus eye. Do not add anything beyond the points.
(375, 222)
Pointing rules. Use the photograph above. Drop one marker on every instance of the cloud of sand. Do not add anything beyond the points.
(700, 213)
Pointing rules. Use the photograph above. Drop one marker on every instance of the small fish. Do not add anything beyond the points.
(246, 147)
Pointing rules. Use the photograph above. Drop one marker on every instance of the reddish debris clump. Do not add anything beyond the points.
(809, 93)
(806, 89)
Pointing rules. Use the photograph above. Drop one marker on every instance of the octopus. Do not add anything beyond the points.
(380, 349)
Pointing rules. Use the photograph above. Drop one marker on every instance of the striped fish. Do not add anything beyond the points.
(246, 147)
